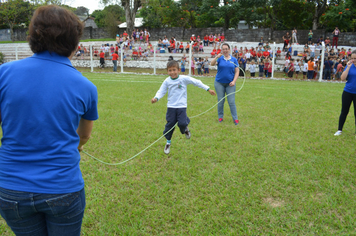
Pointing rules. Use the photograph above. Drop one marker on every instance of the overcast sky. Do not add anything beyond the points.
(92, 5)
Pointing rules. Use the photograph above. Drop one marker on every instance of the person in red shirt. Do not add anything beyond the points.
(259, 54)
(218, 52)
(102, 59)
(125, 34)
(279, 52)
(187, 47)
(206, 40)
(265, 55)
(196, 47)
(253, 54)
(222, 37)
(213, 53)
(115, 56)
(211, 39)
(171, 46)
(135, 54)
(193, 38)
(181, 47)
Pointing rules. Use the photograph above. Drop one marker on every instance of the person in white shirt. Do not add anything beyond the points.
(312, 50)
(252, 68)
(305, 68)
(176, 85)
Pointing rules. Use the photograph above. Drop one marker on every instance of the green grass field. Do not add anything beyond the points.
(281, 171)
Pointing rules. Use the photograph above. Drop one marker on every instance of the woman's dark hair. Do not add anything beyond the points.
(225, 44)
(311, 59)
(54, 29)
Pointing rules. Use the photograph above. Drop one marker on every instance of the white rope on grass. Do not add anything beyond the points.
(120, 163)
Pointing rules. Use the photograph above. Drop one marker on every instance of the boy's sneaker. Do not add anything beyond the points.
(339, 132)
(236, 122)
(167, 148)
(221, 120)
(187, 133)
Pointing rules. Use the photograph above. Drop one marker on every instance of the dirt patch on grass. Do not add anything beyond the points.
(274, 202)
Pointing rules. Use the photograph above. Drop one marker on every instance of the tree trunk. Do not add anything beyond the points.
(130, 19)
(12, 32)
(315, 19)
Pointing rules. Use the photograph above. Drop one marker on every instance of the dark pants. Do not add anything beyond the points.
(310, 74)
(327, 74)
(347, 99)
(43, 214)
(173, 116)
(335, 39)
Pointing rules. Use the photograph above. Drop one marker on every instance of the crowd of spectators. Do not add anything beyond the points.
(137, 46)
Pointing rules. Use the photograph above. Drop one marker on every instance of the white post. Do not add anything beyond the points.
(91, 58)
(322, 62)
(122, 58)
(273, 57)
(17, 56)
(190, 59)
(154, 59)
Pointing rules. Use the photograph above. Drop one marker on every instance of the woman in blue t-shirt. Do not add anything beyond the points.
(349, 94)
(225, 81)
(47, 111)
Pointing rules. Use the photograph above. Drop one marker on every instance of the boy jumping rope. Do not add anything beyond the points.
(176, 85)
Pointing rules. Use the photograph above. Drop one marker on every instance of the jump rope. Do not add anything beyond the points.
(120, 163)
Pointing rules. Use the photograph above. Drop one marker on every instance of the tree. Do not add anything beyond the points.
(341, 15)
(14, 12)
(109, 18)
(130, 7)
(82, 11)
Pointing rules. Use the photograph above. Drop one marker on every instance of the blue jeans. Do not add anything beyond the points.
(222, 89)
(42, 214)
(115, 64)
(310, 74)
(327, 74)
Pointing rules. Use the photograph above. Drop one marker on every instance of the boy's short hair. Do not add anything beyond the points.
(172, 63)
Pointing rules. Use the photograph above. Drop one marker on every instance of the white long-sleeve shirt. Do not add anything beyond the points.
(177, 90)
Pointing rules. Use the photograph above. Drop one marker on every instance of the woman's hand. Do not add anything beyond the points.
(349, 63)
(219, 55)
(232, 83)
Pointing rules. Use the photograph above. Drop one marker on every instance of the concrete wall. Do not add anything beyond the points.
(237, 35)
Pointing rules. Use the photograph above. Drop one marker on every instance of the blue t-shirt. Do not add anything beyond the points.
(226, 69)
(328, 64)
(42, 99)
(261, 67)
(350, 85)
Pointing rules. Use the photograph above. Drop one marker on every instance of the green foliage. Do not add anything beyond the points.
(109, 17)
(341, 14)
(15, 12)
(2, 56)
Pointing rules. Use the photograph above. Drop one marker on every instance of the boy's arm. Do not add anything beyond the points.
(198, 83)
(160, 93)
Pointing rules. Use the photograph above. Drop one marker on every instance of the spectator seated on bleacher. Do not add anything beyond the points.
(187, 47)
(172, 46)
(95, 52)
(135, 54)
(160, 43)
(165, 42)
(195, 47)
(211, 39)
(181, 47)
(213, 53)
(206, 40)
(201, 49)
(193, 38)
(222, 38)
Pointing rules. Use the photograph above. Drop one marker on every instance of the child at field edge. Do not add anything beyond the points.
(176, 85)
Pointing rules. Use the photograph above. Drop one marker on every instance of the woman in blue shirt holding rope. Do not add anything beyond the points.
(225, 81)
